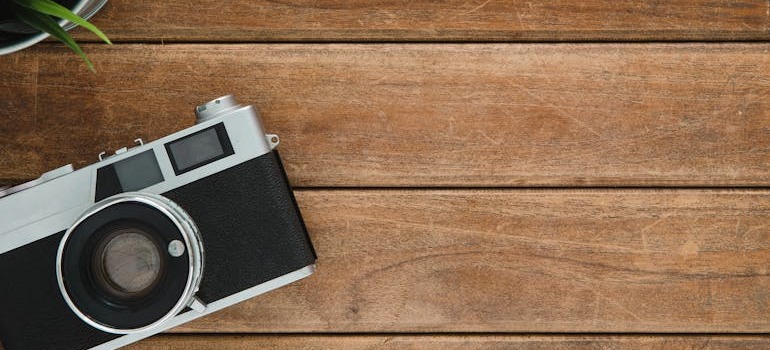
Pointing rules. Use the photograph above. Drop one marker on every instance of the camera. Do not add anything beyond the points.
(149, 237)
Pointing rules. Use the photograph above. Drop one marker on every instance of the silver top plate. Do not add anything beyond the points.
(9, 190)
(53, 202)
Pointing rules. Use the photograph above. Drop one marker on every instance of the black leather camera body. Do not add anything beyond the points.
(149, 238)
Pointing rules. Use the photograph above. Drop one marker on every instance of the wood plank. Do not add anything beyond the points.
(441, 342)
(523, 261)
(415, 115)
(454, 20)
(18, 89)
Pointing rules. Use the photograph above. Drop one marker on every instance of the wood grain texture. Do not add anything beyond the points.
(523, 261)
(453, 20)
(442, 342)
(415, 115)
(453, 269)
(439, 342)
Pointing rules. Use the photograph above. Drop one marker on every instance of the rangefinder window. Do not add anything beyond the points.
(130, 174)
(199, 149)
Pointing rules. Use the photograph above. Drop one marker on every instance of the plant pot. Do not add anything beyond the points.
(15, 42)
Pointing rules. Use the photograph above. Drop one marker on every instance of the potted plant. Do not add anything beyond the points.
(26, 22)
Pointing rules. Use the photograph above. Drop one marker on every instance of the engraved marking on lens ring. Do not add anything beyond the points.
(192, 244)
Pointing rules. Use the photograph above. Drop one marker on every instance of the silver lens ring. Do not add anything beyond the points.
(191, 243)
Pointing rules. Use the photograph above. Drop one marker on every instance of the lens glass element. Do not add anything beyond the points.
(128, 263)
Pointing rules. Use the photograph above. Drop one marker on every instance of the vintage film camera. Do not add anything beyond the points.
(150, 237)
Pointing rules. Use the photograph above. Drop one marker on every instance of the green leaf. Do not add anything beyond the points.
(47, 24)
(51, 8)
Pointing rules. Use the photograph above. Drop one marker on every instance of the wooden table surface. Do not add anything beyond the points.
(475, 174)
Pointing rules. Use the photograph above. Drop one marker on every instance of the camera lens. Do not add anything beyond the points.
(120, 267)
(128, 263)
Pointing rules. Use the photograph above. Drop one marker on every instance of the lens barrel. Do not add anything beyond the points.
(116, 269)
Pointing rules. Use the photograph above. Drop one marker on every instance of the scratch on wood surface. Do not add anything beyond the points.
(746, 25)
(561, 111)
(563, 243)
(752, 228)
(452, 135)
(521, 20)
(588, 283)
(644, 229)
(500, 230)
(490, 139)
(379, 80)
(643, 232)
(479, 7)
(618, 304)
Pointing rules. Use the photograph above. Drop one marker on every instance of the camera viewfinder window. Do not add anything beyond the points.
(199, 149)
(130, 174)
(138, 172)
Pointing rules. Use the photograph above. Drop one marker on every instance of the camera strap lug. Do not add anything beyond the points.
(272, 140)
